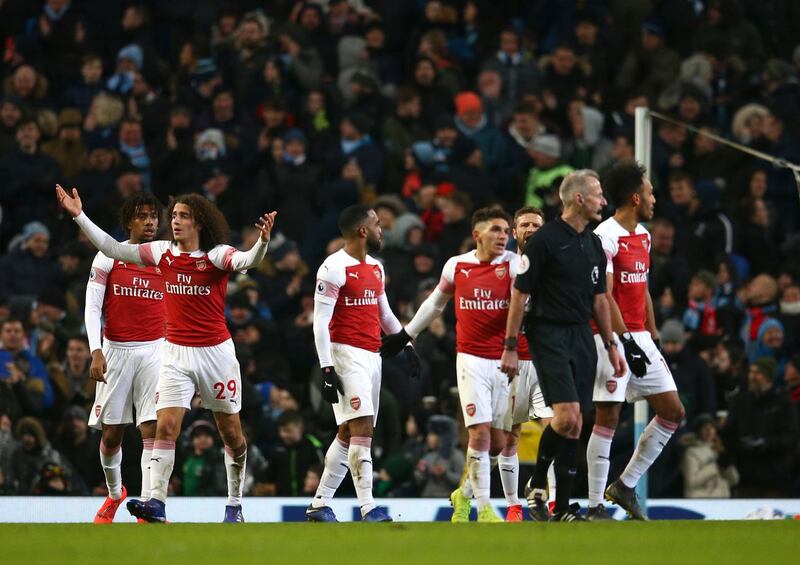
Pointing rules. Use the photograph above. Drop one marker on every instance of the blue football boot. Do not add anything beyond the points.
(377, 514)
(233, 514)
(321, 514)
(153, 510)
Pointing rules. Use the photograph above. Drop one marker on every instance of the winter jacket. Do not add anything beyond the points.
(703, 476)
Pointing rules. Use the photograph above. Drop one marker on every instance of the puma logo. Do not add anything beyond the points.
(168, 260)
(354, 275)
(156, 459)
(623, 244)
(122, 264)
(466, 272)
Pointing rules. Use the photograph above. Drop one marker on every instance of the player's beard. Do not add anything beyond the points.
(374, 245)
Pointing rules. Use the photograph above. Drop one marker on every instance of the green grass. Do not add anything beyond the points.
(623, 542)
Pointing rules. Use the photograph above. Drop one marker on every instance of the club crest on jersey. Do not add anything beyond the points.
(500, 271)
(470, 409)
(355, 403)
(97, 408)
(377, 272)
(201, 264)
(158, 271)
(611, 386)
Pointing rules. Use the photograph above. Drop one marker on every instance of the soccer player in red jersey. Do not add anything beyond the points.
(199, 353)
(480, 281)
(627, 246)
(126, 363)
(350, 310)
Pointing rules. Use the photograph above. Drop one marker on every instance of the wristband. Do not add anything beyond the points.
(510, 343)
(609, 344)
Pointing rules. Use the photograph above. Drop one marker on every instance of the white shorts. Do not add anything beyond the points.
(484, 391)
(131, 381)
(360, 373)
(608, 388)
(526, 401)
(212, 371)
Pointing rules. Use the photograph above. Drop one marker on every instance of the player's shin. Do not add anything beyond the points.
(360, 458)
(161, 463)
(598, 451)
(549, 444)
(509, 475)
(479, 469)
(336, 465)
(566, 464)
(235, 469)
(110, 459)
(147, 454)
(651, 443)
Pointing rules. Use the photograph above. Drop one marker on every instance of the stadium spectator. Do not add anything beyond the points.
(292, 457)
(29, 458)
(30, 268)
(707, 469)
(438, 472)
(26, 385)
(203, 469)
(761, 432)
(691, 373)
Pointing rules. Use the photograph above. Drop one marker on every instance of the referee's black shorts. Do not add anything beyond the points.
(565, 357)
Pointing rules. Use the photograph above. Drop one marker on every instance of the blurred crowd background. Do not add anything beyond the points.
(424, 110)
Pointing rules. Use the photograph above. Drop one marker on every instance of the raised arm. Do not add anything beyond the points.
(101, 240)
(243, 260)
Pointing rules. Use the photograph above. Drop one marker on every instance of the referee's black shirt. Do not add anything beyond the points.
(562, 270)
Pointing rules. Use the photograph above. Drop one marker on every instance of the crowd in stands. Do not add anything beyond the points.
(425, 110)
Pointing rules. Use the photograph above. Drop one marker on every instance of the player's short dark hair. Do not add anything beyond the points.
(134, 203)
(11, 320)
(527, 210)
(526, 107)
(486, 214)
(289, 418)
(623, 181)
(215, 229)
(78, 337)
(352, 218)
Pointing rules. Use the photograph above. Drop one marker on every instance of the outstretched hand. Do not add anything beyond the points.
(71, 204)
(264, 225)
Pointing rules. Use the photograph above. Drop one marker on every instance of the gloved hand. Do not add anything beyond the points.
(330, 384)
(413, 361)
(636, 358)
(393, 344)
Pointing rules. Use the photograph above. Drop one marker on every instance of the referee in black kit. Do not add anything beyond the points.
(564, 272)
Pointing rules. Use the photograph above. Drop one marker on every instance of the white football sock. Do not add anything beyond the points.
(598, 451)
(478, 471)
(651, 443)
(161, 462)
(509, 476)
(466, 484)
(235, 469)
(111, 459)
(147, 453)
(360, 459)
(336, 466)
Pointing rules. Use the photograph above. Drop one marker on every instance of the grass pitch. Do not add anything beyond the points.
(415, 543)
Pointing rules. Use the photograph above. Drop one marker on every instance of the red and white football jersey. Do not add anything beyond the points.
(133, 303)
(194, 291)
(353, 287)
(628, 256)
(482, 293)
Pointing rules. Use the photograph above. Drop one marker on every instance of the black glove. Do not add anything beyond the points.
(330, 384)
(413, 361)
(393, 344)
(637, 360)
